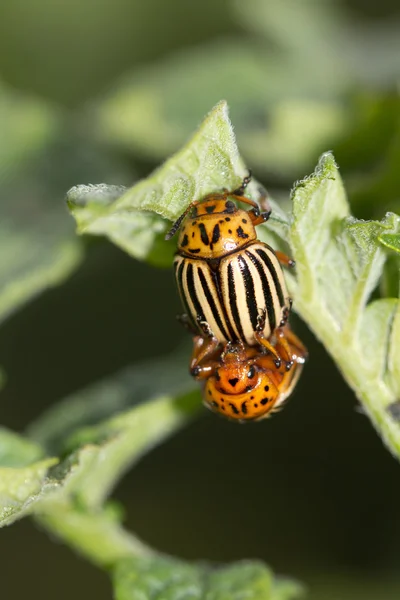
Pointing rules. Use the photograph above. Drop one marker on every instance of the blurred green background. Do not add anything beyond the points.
(94, 91)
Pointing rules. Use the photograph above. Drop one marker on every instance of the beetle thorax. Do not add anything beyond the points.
(215, 229)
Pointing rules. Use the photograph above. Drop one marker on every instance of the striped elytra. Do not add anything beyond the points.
(230, 293)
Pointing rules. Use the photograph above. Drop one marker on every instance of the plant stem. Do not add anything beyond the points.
(96, 536)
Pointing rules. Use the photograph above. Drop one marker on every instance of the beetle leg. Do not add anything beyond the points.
(261, 216)
(186, 322)
(262, 340)
(298, 350)
(284, 347)
(202, 364)
(240, 190)
(286, 314)
(284, 259)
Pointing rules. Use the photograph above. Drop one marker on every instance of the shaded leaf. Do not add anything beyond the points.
(37, 249)
(16, 451)
(126, 389)
(326, 43)
(171, 579)
(27, 124)
(280, 122)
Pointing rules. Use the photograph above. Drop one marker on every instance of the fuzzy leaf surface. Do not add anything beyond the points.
(340, 261)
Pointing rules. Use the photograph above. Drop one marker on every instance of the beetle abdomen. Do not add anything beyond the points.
(232, 296)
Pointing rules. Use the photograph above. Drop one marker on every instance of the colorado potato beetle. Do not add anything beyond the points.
(231, 285)
(243, 383)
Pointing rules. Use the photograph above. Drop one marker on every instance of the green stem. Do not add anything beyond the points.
(96, 536)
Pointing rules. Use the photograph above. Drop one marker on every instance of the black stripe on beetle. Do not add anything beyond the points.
(241, 233)
(269, 304)
(185, 241)
(218, 284)
(249, 290)
(264, 256)
(211, 302)
(216, 234)
(232, 301)
(179, 278)
(192, 292)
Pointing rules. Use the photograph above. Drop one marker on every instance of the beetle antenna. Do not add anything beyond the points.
(177, 223)
(246, 180)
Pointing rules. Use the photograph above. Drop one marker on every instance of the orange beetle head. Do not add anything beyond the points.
(237, 373)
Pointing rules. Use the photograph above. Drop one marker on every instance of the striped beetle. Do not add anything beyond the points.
(231, 285)
(244, 384)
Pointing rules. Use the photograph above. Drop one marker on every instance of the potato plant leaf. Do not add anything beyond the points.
(96, 458)
(390, 240)
(209, 161)
(339, 264)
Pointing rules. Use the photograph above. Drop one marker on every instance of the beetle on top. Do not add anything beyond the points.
(231, 285)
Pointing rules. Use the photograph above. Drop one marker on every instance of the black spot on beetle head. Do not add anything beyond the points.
(241, 233)
(230, 206)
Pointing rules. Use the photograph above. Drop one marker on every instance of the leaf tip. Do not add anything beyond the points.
(326, 168)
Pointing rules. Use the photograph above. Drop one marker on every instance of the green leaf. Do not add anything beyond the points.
(339, 263)
(102, 454)
(136, 579)
(100, 433)
(390, 240)
(96, 459)
(208, 162)
(21, 488)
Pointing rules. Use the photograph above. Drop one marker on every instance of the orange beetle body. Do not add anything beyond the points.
(243, 383)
